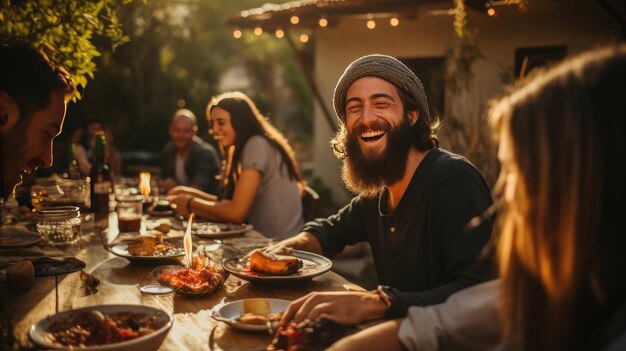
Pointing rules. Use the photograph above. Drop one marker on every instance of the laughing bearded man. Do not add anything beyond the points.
(414, 201)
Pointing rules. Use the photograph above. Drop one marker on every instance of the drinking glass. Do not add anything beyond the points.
(129, 212)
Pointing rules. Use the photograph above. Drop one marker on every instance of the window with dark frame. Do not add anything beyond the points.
(431, 72)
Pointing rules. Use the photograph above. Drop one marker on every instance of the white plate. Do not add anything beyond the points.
(216, 230)
(38, 331)
(230, 312)
(313, 265)
(122, 251)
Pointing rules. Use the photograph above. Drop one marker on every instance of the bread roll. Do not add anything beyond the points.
(21, 275)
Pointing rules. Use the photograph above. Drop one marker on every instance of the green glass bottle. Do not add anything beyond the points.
(101, 178)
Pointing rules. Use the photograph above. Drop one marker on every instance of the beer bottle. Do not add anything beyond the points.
(73, 172)
(101, 178)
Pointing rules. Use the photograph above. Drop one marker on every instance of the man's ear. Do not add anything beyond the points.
(413, 116)
(9, 112)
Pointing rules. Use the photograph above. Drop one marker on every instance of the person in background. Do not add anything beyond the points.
(261, 181)
(562, 148)
(34, 93)
(84, 155)
(187, 159)
(112, 154)
(414, 204)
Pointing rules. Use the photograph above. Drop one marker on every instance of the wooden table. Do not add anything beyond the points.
(193, 329)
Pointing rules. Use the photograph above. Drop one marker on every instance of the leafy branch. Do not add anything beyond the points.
(65, 30)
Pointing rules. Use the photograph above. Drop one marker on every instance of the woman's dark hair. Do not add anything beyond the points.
(248, 122)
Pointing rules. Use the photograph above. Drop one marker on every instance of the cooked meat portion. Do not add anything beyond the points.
(309, 335)
(146, 246)
(274, 264)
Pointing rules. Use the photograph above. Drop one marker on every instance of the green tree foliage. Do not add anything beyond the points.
(178, 53)
(65, 30)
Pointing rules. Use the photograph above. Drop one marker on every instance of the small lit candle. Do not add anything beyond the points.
(144, 189)
(188, 244)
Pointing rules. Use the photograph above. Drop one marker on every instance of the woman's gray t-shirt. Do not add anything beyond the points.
(277, 208)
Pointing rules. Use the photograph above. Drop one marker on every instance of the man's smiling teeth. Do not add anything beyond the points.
(372, 134)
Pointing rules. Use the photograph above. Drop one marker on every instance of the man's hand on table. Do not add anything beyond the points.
(303, 241)
(345, 307)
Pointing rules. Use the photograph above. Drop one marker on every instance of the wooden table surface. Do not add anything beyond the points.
(193, 329)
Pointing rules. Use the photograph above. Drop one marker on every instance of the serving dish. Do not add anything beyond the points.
(204, 279)
(163, 321)
(176, 252)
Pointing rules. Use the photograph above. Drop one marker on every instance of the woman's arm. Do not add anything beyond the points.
(383, 336)
(193, 192)
(235, 210)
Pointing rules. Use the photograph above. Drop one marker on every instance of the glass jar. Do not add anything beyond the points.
(59, 226)
(129, 212)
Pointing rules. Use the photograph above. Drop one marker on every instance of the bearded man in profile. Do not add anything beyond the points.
(33, 98)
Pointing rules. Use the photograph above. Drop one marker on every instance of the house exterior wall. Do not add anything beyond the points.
(578, 24)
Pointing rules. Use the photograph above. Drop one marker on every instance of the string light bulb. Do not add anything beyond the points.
(394, 21)
(491, 11)
(304, 38)
(258, 31)
(280, 33)
(323, 22)
(294, 19)
(237, 33)
(371, 24)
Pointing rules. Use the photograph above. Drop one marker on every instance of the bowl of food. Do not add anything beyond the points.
(201, 278)
(257, 314)
(162, 208)
(103, 328)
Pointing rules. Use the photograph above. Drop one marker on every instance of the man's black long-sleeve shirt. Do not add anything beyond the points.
(423, 247)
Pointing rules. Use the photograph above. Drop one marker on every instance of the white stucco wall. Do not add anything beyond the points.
(578, 24)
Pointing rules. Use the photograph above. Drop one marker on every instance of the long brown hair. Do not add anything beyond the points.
(563, 235)
(247, 122)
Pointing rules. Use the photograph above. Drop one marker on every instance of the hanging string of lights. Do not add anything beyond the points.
(371, 20)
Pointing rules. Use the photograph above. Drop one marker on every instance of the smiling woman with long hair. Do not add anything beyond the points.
(260, 181)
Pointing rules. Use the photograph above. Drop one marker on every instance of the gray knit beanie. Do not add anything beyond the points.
(384, 67)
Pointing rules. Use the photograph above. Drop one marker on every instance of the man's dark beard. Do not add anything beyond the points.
(366, 175)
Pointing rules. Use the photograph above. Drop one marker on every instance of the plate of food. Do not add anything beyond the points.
(219, 230)
(149, 247)
(258, 314)
(269, 268)
(103, 328)
(310, 335)
(202, 278)
(16, 240)
(161, 209)
(47, 266)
